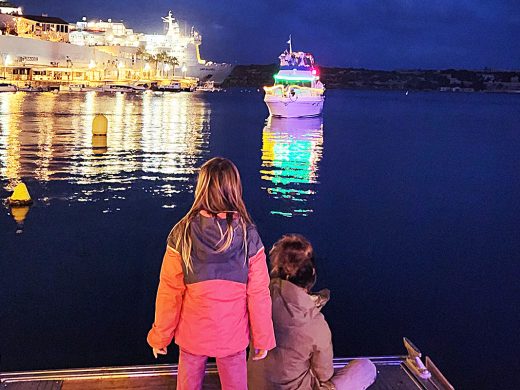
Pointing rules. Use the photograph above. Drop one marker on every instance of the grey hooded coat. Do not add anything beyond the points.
(303, 357)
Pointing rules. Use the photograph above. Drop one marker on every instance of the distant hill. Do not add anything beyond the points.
(415, 80)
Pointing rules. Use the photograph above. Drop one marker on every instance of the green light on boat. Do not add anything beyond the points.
(294, 78)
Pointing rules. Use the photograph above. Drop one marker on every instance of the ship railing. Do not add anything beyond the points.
(293, 90)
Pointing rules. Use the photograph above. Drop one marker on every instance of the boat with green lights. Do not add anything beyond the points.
(297, 90)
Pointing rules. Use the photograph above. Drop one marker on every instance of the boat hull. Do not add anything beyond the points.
(294, 108)
(7, 88)
(123, 88)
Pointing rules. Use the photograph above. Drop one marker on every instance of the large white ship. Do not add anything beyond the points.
(49, 49)
(183, 46)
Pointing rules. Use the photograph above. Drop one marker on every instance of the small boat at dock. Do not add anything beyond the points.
(6, 87)
(30, 88)
(174, 86)
(208, 86)
(82, 88)
(126, 88)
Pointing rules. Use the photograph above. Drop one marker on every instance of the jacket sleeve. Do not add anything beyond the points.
(322, 355)
(259, 303)
(168, 303)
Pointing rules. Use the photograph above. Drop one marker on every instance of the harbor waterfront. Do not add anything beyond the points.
(411, 203)
(42, 51)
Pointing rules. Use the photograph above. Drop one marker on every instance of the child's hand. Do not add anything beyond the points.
(159, 351)
(259, 354)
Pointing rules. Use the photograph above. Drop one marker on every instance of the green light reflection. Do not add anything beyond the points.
(291, 151)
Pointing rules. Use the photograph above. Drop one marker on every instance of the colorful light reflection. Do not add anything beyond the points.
(291, 152)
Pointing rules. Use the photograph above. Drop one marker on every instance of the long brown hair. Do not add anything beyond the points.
(218, 190)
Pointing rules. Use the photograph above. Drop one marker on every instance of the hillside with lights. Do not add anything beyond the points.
(455, 80)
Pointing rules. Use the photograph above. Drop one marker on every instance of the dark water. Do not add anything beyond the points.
(412, 203)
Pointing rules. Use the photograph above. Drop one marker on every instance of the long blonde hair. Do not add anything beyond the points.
(218, 190)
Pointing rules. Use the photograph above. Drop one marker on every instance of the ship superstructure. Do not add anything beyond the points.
(184, 47)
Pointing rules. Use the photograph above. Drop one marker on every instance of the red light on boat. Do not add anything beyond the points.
(314, 72)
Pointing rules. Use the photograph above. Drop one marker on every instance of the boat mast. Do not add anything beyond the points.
(290, 43)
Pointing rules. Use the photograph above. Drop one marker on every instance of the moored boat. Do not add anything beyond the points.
(30, 88)
(297, 90)
(127, 88)
(82, 88)
(174, 86)
(6, 87)
(208, 86)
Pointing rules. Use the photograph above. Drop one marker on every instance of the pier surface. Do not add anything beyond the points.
(393, 373)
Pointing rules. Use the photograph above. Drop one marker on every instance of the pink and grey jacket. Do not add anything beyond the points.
(210, 309)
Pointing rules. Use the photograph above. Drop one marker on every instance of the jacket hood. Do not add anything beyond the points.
(295, 306)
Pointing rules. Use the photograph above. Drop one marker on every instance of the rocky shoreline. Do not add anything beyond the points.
(454, 80)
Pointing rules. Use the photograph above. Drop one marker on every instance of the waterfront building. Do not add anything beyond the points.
(9, 8)
(42, 27)
(184, 47)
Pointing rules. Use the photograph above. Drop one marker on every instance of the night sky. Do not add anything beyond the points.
(376, 34)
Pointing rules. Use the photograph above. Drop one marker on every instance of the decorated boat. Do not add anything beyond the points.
(297, 90)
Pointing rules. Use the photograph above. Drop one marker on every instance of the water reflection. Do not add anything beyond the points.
(291, 152)
(151, 137)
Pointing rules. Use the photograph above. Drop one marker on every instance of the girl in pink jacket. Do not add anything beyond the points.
(214, 284)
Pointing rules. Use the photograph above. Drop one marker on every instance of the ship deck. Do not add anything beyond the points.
(393, 373)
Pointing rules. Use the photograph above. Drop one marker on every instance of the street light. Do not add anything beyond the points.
(119, 66)
(6, 59)
(91, 66)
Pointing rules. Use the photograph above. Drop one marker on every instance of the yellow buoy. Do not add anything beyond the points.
(99, 144)
(100, 125)
(19, 213)
(20, 196)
